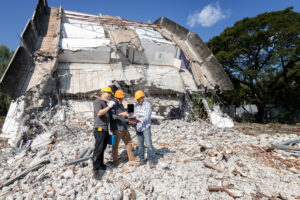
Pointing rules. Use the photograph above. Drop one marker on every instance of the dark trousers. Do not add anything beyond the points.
(101, 139)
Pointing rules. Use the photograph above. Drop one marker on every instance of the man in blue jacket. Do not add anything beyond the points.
(118, 125)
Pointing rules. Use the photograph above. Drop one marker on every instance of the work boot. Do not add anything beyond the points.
(151, 164)
(141, 162)
(97, 175)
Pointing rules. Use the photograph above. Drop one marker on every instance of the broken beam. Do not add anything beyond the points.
(283, 147)
(24, 173)
(73, 162)
(206, 164)
(226, 189)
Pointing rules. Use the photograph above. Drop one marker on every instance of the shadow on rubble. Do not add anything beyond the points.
(160, 153)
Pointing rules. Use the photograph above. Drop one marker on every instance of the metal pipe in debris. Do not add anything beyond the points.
(25, 172)
(290, 141)
(82, 153)
(88, 152)
(73, 162)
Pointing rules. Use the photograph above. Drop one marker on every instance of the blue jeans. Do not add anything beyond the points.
(141, 137)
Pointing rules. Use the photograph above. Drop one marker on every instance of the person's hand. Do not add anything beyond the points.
(111, 104)
(123, 114)
(137, 120)
(131, 122)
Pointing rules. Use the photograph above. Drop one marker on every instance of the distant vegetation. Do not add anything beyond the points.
(262, 57)
(5, 56)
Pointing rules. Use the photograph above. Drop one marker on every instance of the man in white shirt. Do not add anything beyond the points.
(142, 112)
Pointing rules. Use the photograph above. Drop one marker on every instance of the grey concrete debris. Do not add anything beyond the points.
(179, 171)
(66, 59)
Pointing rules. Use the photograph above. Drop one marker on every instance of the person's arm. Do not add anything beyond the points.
(103, 111)
(123, 114)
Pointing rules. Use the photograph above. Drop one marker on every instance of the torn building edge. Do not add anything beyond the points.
(70, 55)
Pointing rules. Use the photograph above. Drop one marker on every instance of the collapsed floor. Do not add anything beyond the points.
(69, 55)
(193, 159)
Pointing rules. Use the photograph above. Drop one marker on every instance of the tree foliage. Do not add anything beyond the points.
(5, 56)
(262, 57)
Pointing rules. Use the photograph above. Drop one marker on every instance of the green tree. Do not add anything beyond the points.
(262, 57)
(5, 56)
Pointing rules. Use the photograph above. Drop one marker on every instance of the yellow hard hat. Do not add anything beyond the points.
(107, 89)
(138, 94)
(119, 94)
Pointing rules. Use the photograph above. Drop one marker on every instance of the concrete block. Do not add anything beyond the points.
(12, 126)
(175, 29)
(215, 72)
(199, 46)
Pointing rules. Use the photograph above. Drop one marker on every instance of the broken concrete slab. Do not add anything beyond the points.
(25, 172)
(13, 122)
(209, 73)
(41, 140)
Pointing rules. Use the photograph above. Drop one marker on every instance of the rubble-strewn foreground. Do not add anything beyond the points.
(185, 153)
(66, 56)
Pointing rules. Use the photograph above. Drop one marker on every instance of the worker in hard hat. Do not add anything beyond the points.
(118, 125)
(102, 106)
(142, 112)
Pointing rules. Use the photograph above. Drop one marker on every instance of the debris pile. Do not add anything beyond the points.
(194, 160)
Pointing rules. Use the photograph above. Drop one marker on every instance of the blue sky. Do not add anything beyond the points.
(207, 18)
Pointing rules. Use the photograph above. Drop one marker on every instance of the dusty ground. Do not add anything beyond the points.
(194, 160)
(271, 129)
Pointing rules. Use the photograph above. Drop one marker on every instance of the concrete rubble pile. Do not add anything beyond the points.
(194, 160)
(66, 56)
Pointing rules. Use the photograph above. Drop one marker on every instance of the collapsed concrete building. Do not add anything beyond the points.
(67, 56)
